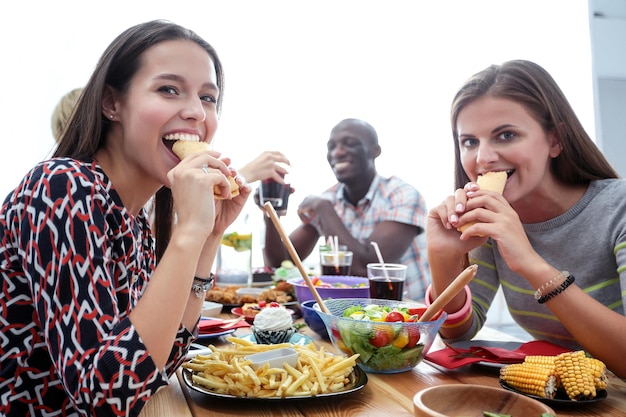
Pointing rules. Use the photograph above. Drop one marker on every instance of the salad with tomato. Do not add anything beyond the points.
(377, 334)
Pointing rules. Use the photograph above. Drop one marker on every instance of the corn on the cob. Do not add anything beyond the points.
(540, 360)
(545, 361)
(530, 378)
(575, 375)
(598, 370)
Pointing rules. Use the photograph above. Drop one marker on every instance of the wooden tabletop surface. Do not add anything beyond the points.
(384, 394)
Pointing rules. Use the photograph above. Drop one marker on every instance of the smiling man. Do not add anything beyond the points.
(363, 207)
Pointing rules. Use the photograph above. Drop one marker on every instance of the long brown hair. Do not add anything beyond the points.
(87, 128)
(534, 88)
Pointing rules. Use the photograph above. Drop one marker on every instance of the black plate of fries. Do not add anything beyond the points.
(560, 398)
(357, 379)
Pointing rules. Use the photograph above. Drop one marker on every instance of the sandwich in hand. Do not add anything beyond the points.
(490, 181)
(183, 148)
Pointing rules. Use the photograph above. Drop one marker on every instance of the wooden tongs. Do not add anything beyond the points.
(294, 255)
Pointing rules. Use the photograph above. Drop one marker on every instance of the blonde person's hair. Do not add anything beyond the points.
(63, 111)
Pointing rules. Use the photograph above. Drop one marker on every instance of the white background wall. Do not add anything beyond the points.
(608, 49)
(294, 69)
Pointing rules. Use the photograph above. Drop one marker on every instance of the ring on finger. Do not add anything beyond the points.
(205, 168)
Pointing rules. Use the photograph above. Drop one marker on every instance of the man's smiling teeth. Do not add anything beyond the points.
(182, 136)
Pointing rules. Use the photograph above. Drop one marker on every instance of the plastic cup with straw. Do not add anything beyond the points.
(391, 284)
(382, 262)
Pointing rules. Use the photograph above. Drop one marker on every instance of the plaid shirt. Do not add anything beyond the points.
(388, 199)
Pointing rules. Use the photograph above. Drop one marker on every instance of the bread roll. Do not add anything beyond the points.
(490, 181)
(183, 148)
(234, 189)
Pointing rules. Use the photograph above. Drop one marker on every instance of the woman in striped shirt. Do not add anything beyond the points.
(555, 240)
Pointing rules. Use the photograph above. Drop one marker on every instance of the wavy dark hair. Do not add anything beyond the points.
(534, 88)
(86, 130)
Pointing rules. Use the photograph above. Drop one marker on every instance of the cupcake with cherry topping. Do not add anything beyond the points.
(273, 325)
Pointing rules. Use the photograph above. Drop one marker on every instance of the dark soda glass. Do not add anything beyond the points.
(336, 270)
(276, 194)
(386, 288)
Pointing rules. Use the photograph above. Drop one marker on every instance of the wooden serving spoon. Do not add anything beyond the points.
(294, 255)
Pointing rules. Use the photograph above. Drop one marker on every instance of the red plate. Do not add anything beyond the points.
(250, 319)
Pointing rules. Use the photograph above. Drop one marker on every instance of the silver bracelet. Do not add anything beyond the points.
(558, 290)
(539, 293)
(200, 286)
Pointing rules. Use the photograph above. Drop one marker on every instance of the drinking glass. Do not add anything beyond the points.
(276, 193)
(386, 280)
(336, 263)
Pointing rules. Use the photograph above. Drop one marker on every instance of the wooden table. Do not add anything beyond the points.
(384, 394)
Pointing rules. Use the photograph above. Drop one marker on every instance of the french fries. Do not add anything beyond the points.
(226, 371)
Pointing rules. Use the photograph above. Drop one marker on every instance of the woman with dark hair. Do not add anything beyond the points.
(555, 240)
(96, 316)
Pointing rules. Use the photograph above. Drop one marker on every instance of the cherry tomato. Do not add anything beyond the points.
(262, 304)
(274, 304)
(394, 316)
(414, 337)
(380, 339)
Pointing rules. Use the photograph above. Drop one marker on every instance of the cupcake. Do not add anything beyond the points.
(273, 325)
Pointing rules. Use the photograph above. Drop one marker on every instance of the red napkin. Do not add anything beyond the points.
(209, 327)
(447, 357)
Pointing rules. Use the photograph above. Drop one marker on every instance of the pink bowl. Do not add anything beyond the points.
(304, 294)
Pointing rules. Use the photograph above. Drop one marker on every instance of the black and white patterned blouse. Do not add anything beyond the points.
(73, 264)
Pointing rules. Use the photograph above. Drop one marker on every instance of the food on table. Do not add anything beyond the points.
(280, 294)
(331, 287)
(183, 148)
(576, 375)
(318, 282)
(381, 346)
(273, 325)
(532, 379)
(286, 271)
(228, 295)
(223, 295)
(490, 181)
(252, 309)
(579, 376)
(226, 371)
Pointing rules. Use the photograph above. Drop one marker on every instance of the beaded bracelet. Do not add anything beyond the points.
(200, 286)
(460, 316)
(546, 285)
(558, 290)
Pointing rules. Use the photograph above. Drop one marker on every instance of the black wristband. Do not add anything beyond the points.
(200, 286)
(568, 281)
(211, 278)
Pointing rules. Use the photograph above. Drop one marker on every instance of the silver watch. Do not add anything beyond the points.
(200, 286)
